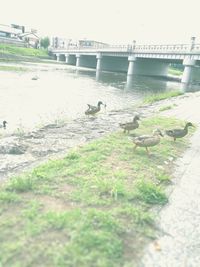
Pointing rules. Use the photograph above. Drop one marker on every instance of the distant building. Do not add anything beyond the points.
(58, 42)
(30, 38)
(16, 34)
(10, 31)
(91, 43)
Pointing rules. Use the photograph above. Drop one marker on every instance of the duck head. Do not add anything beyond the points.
(136, 118)
(100, 103)
(157, 132)
(189, 124)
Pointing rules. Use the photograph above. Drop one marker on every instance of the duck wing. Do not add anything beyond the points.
(132, 125)
(91, 107)
(147, 140)
(176, 132)
(142, 138)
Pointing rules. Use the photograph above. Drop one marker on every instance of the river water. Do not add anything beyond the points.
(61, 93)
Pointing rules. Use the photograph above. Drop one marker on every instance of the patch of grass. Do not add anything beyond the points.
(166, 108)
(22, 51)
(94, 241)
(157, 97)
(91, 208)
(150, 193)
(12, 68)
(9, 197)
(175, 72)
(20, 184)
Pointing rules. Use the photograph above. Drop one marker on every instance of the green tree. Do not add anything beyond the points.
(44, 42)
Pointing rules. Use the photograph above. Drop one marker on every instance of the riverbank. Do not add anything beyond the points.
(30, 148)
(74, 195)
(177, 242)
(11, 53)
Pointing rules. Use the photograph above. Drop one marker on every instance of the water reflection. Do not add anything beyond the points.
(190, 87)
(145, 84)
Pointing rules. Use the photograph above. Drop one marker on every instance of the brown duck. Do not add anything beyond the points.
(128, 126)
(93, 109)
(148, 140)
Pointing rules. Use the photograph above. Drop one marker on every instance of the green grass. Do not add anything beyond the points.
(168, 107)
(150, 193)
(12, 68)
(91, 208)
(153, 98)
(175, 72)
(22, 51)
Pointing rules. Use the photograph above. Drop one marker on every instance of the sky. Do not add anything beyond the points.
(111, 21)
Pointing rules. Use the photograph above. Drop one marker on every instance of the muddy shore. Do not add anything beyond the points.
(21, 152)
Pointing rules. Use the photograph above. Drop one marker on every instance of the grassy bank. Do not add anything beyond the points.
(12, 68)
(22, 51)
(157, 97)
(175, 72)
(92, 208)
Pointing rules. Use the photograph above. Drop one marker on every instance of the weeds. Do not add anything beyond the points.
(91, 208)
(153, 98)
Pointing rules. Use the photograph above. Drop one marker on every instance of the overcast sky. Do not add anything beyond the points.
(113, 21)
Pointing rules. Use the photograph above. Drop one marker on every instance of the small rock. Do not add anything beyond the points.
(170, 158)
(160, 167)
(12, 146)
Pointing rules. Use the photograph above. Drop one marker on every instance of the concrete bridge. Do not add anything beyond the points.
(151, 60)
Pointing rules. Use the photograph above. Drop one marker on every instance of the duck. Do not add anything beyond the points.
(148, 140)
(179, 133)
(93, 109)
(128, 126)
(3, 125)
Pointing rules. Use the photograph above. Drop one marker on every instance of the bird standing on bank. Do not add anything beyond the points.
(93, 109)
(148, 140)
(179, 133)
(128, 126)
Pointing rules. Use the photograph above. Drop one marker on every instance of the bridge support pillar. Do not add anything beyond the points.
(67, 58)
(131, 60)
(78, 57)
(99, 62)
(57, 57)
(187, 74)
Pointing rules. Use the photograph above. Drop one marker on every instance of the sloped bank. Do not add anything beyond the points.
(56, 139)
(91, 208)
(14, 53)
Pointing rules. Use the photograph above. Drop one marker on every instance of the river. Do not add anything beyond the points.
(61, 93)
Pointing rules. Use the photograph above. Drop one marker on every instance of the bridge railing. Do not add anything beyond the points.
(133, 48)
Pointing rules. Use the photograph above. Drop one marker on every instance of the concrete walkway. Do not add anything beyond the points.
(179, 222)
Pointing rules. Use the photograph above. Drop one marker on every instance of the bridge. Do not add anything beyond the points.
(151, 60)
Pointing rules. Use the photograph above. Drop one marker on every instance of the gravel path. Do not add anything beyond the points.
(179, 242)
